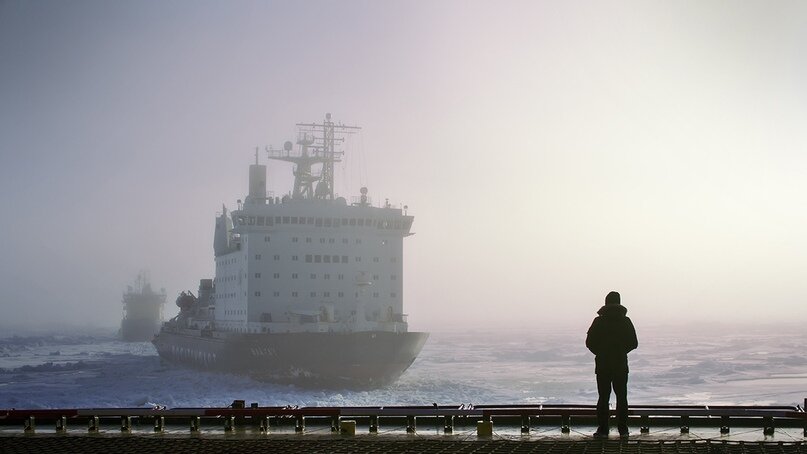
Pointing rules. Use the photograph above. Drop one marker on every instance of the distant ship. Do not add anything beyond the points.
(142, 311)
(308, 288)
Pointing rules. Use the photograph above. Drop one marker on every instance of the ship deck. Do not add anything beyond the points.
(559, 429)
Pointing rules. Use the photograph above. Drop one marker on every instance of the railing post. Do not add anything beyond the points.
(724, 425)
(264, 427)
(335, 427)
(194, 424)
(448, 424)
(126, 424)
(684, 424)
(645, 429)
(525, 424)
(767, 426)
(92, 424)
(299, 425)
(61, 424)
(229, 424)
(565, 423)
(374, 424)
(411, 425)
(29, 425)
(159, 423)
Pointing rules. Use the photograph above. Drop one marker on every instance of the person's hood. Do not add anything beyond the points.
(613, 310)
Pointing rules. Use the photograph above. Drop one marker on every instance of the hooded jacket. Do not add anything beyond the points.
(610, 337)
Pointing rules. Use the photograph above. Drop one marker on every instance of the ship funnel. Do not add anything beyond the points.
(257, 184)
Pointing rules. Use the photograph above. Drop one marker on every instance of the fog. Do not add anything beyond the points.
(549, 151)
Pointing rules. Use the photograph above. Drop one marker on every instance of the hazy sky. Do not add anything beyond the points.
(550, 151)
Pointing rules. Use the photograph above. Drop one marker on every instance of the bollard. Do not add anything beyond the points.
(373, 424)
(565, 424)
(484, 428)
(159, 423)
(645, 429)
(229, 424)
(410, 425)
(335, 426)
(61, 424)
(125, 424)
(29, 425)
(684, 424)
(448, 424)
(767, 426)
(299, 425)
(194, 424)
(724, 425)
(347, 427)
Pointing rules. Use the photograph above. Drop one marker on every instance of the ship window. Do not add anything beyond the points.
(294, 219)
(327, 259)
(317, 258)
(266, 238)
(344, 259)
(397, 224)
(257, 256)
(294, 275)
(313, 276)
(308, 239)
(375, 294)
(318, 222)
(358, 259)
(261, 220)
(341, 294)
(327, 276)
(269, 220)
(340, 276)
(331, 241)
(326, 294)
(335, 259)
(308, 258)
(313, 294)
(252, 220)
(327, 222)
(276, 294)
(276, 257)
(345, 241)
(375, 277)
(369, 222)
(360, 222)
(311, 221)
(375, 259)
(277, 276)
(352, 221)
(393, 277)
(257, 275)
(358, 240)
(293, 258)
(285, 219)
(257, 293)
(294, 239)
(294, 294)
(393, 259)
(393, 295)
(345, 221)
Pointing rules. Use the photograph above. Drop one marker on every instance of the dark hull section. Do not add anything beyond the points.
(138, 330)
(351, 360)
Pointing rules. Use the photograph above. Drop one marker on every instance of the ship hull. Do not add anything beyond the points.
(333, 360)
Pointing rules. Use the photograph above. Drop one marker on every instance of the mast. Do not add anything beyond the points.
(317, 143)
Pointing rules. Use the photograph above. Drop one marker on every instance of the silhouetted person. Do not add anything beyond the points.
(610, 338)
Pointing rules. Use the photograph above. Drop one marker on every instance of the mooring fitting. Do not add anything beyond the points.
(194, 424)
(299, 424)
(229, 423)
(684, 424)
(264, 424)
(335, 427)
(565, 423)
(767, 426)
(373, 424)
(724, 425)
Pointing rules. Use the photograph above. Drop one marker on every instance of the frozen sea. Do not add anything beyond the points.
(701, 365)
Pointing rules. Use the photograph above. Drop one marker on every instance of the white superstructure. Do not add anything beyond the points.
(309, 261)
